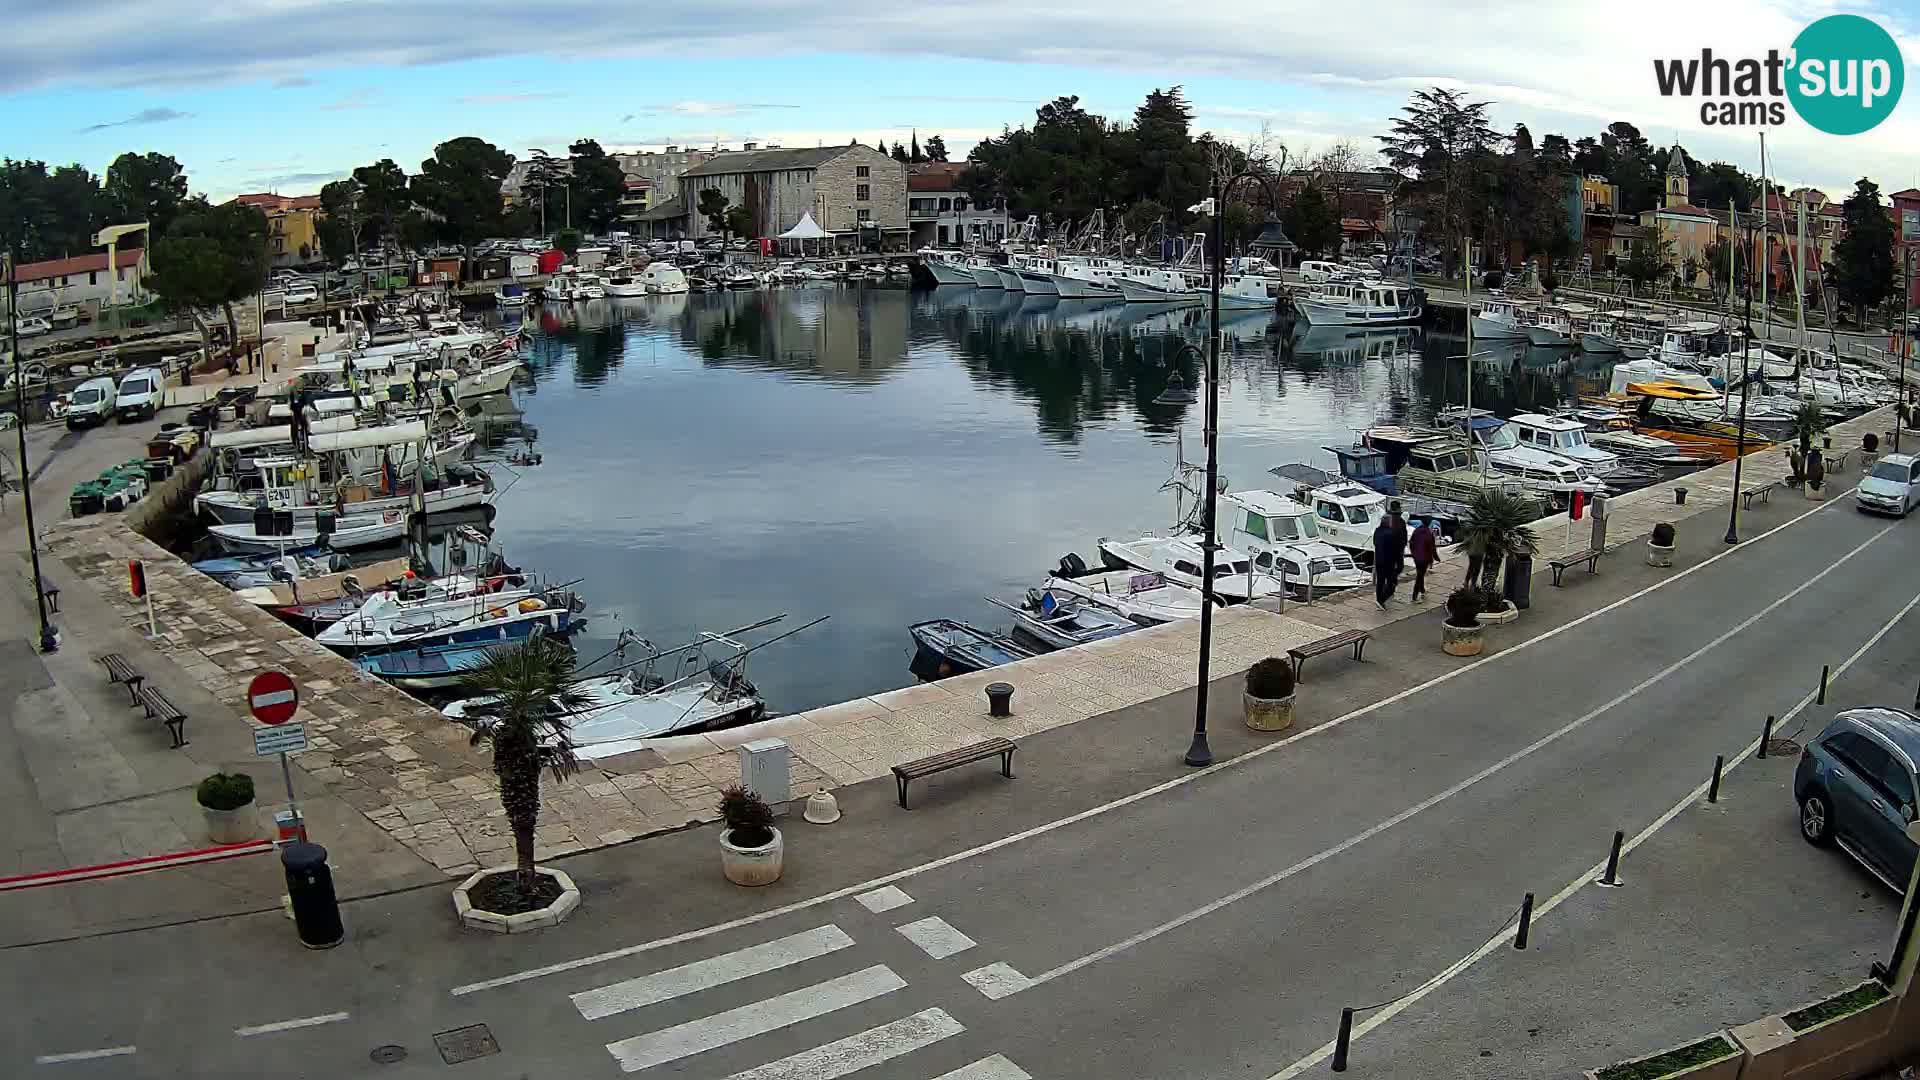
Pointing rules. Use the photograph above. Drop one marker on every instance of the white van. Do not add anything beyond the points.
(1314, 272)
(139, 394)
(91, 403)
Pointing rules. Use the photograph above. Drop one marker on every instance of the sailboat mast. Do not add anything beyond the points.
(1766, 268)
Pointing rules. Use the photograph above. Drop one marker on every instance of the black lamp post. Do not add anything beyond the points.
(1199, 754)
(1740, 430)
(49, 639)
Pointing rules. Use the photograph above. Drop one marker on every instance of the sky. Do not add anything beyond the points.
(285, 95)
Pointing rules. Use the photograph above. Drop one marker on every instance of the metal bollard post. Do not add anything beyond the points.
(1825, 671)
(1341, 1041)
(1526, 922)
(1713, 789)
(1611, 879)
(1916, 698)
(1766, 735)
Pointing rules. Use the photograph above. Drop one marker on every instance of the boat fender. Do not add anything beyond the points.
(1072, 565)
(530, 604)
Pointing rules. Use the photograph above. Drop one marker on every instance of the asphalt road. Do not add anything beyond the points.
(1212, 926)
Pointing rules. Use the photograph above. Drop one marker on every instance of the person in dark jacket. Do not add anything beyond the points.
(1389, 551)
(1424, 550)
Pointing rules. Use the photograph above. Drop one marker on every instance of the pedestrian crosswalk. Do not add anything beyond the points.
(679, 1047)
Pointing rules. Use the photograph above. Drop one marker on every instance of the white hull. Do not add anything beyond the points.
(236, 507)
(1137, 293)
(351, 533)
(1037, 283)
(945, 273)
(1487, 329)
(1319, 314)
(1069, 288)
(493, 380)
(1243, 302)
(1541, 335)
(1010, 281)
(1163, 603)
(1598, 343)
(503, 300)
(985, 278)
(630, 289)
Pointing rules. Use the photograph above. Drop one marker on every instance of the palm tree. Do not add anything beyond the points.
(1496, 527)
(533, 695)
(1809, 420)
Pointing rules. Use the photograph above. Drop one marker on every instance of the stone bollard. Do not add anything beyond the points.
(1000, 700)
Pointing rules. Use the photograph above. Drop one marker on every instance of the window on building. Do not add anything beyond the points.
(862, 193)
(865, 214)
(946, 204)
(93, 277)
(862, 170)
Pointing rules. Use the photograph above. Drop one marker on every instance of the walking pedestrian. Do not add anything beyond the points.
(1389, 551)
(1425, 552)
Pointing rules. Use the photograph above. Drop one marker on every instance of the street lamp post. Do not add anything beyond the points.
(49, 639)
(1199, 754)
(1740, 427)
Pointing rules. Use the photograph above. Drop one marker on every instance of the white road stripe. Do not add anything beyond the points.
(1185, 778)
(1431, 801)
(716, 971)
(856, 1052)
(936, 937)
(996, 981)
(758, 1018)
(996, 1067)
(1505, 937)
(886, 899)
(289, 1025)
(83, 1055)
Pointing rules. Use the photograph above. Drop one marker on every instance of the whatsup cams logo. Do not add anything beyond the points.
(1843, 75)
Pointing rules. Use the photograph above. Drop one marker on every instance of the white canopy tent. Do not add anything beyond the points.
(806, 229)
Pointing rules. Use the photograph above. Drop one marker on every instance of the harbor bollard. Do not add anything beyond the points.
(1526, 922)
(1766, 732)
(1713, 789)
(1611, 879)
(1679, 496)
(1825, 670)
(1341, 1041)
(316, 912)
(1000, 699)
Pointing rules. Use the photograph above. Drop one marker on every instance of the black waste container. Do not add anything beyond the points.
(283, 523)
(1517, 586)
(262, 519)
(323, 522)
(316, 914)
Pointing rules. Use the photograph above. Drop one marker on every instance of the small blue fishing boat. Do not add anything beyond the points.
(945, 647)
(432, 667)
(244, 571)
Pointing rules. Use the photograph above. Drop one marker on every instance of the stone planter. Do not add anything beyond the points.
(752, 866)
(1267, 714)
(553, 914)
(1722, 1066)
(231, 826)
(1461, 640)
(1658, 555)
(1507, 613)
(1816, 494)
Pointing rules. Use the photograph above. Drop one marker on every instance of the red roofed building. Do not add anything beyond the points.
(1682, 230)
(292, 226)
(82, 280)
(940, 213)
(1906, 232)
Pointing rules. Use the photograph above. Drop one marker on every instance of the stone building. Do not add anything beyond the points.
(854, 192)
(1682, 230)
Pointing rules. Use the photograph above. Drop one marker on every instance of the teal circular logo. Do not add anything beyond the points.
(1846, 75)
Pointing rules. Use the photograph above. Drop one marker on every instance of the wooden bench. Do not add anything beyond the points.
(159, 708)
(1761, 492)
(1355, 638)
(119, 671)
(1566, 562)
(953, 759)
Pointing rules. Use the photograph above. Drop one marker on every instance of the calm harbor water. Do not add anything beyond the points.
(886, 456)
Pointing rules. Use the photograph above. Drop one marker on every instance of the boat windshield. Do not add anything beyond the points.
(1356, 515)
(1293, 527)
(1500, 438)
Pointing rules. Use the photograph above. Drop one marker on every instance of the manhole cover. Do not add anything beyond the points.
(388, 1054)
(465, 1044)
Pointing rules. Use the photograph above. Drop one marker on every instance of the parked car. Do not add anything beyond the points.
(92, 403)
(1855, 787)
(1893, 487)
(302, 293)
(34, 326)
(139, 394)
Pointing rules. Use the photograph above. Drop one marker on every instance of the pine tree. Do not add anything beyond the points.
(1863, 259)
(913, 153)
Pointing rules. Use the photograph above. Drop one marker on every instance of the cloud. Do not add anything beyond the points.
(291, 82)
(508, 99)
(362, 98)
(710, 108)
(144, 116)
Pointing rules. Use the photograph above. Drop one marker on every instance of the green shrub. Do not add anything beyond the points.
(1663, 535)
(749, 819)
(1843, 1004)
(1464, 606)
(225, 791)
(1706, 1050)
(1270, 678)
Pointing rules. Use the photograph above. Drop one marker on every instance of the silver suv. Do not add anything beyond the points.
(1855, 786)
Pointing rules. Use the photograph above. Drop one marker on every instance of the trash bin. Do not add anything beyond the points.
(1517, 586)
(316, 913)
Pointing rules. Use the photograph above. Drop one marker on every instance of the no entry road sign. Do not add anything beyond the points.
(272, 697)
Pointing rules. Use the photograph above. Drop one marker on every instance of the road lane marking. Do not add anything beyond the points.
(936, 937)
(996, 1067)
(289, 1025)
(996, 981)
(1443, 795)
(886, 899)
(83, 1055)
(714, 971)
(1692, 798)
(1187, 777)
(757, 1018)
(856, 1052)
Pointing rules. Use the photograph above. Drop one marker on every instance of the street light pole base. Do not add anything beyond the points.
(1199, 755)
(1732, 537)
(49, 640)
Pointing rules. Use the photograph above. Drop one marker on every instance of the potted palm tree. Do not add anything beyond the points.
(1494, 528)
(226, 800)
(751, 849)
(1660, 545)
(1268, 699)
(1461, 634)
(1808, 422)
(526, 696)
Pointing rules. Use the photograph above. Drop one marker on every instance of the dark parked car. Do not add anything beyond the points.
(1855, 787)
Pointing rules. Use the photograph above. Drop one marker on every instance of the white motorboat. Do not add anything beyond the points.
(1538, 470)
(1347, 514)
(1135, 594)
(984, 274)
(623, 283)
(235, 507)
(1685, 344)
(662, 277)
(1182, 561)
(481, 381)
(1061, 622)
(386, 620)
(1163, 285)
(1035, 272)
(945, 267)
(1551, 327)
(1346, 302)
(509, 296)
(1088, 277)
(1283, 536)
(588, 286)
(1563, 437)
(1497, 317)
(341, 533)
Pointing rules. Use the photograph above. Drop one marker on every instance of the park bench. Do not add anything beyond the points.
(1561, 565)
(159, 708)
(119, 671)
(953, 759)
(1760, 492)
(1355, 638)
